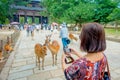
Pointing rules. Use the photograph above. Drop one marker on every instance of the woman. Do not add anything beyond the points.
(92, 65)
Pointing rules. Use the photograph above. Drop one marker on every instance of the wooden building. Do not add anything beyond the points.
(29, 13)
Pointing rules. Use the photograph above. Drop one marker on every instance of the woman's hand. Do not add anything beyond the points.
(75, 53)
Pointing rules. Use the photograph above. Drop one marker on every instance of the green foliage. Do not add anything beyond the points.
(105, 7)
(29, 19)
(7, 21)
(22, 20)
(56, 9)
(5, 10)
(21, 2)
(115, 15)
(37, 20)
(81, 11)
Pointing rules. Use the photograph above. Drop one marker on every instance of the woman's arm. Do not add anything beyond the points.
(63, 62)
(75, 53)
(64, 66)
(70, 71)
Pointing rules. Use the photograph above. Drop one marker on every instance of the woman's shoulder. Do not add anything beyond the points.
(80, 60)
(85, 62)
(79, 63)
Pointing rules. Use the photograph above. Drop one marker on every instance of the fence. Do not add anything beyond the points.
(10, 38)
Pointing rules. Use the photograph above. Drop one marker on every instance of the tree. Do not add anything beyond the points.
(7, 21)
(5, 10)
(115, 16)
(81, 13)
(102, 11)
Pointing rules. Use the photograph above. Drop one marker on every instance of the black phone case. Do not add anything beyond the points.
(69, 60)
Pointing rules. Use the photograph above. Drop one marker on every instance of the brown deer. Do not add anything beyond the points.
(72, 37)
(40, 52)
(53, 47)
(8, 47)
(1, 55)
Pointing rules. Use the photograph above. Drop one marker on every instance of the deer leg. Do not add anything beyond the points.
(56, 59)
(36, 61)
(39, 62)
(53, 59)
(43, 63)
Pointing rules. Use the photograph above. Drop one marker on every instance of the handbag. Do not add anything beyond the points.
(106, 74)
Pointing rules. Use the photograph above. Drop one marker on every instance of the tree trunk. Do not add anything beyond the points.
(75, 24)
(79, 26)
(105, 25)
(116, 26)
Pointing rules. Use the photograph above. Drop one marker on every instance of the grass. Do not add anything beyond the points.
(112, 32)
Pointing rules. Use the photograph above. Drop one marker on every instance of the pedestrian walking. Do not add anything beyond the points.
(64, 35)
(32, 27)
(28, 29)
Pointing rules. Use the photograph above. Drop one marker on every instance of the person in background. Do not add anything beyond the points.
(37, 28)
(32, 27)
(92, 65)
(64, 35)
(51, 28)
(0, 26)
(60, 27)
(28, 29)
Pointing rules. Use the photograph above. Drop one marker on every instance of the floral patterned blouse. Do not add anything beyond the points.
(83, 69)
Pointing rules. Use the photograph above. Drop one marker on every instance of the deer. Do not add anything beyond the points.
(8, 47)
(1, 55)
(54, 47)
(40, 52)
(72, 37)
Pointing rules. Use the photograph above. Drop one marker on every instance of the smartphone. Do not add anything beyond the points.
(68, 59)
(67, 50)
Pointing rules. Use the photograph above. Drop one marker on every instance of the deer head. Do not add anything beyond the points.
(48, 39)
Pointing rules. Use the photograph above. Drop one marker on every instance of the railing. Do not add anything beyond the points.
(10, 38)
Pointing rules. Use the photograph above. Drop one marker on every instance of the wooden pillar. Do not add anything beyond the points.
(16, 18)
(40, 20)
(33, 17)
(25, 17)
